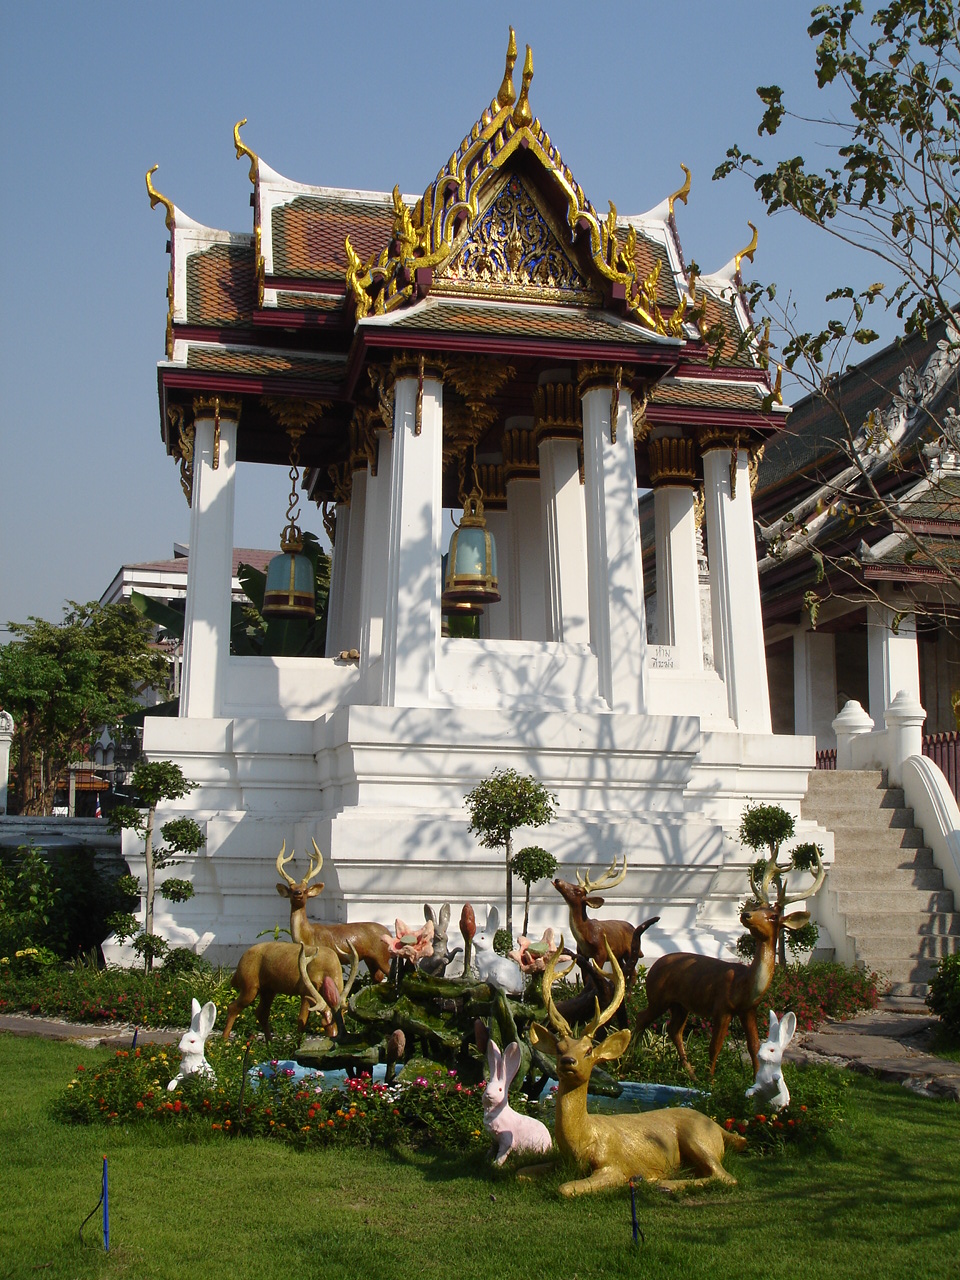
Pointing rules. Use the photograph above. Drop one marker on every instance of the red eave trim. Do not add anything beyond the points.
(948, 528)
(199, 379)
(425, 340)
(275, 318)
(297, 284)
(723, 373)
(896, 573)
(678, 415)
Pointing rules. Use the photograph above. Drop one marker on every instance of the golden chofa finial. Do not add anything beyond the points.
(682, 192)
(244, 150)
(522, 115)
(507, 95)
(156, 198)
(748, 252)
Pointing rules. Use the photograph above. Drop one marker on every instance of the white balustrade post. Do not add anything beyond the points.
(738, 649)
(206, 632)
(849, 724)
(6, 737)
(618, 628)
(904, 720)
(411, 631)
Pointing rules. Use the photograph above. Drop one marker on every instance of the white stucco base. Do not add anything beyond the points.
(381, 791)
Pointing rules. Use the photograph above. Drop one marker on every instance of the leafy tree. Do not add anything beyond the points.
(155, 781)
(532, 864)
(889, 190)
(498, 806)
(28, 899)
(63, 682)
(768, 826)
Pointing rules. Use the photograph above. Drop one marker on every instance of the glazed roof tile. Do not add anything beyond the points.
(309, 234)
(221, 285)
(288, 301)
(260, 361)
(940, 501)
(702, 393)
(511, 320)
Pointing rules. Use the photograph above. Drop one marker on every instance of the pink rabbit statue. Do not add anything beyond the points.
(512, 1131)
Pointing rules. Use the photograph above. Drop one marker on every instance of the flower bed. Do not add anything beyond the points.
(429, 1108)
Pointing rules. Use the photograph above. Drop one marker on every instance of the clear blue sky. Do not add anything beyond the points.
(355, 95)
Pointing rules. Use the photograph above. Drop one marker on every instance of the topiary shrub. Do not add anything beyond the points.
(502, 942)
(944, 994)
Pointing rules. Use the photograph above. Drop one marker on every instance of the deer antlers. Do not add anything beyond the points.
(608, 880)
(316, 863)
(772, 871)
(600, 1017)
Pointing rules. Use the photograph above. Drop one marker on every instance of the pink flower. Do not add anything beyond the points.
(411, 944)
(531, 956)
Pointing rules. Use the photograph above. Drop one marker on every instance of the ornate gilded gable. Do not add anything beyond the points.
(513, 250)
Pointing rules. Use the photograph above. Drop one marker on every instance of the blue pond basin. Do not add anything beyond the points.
(309, 1075)
(636, 1095)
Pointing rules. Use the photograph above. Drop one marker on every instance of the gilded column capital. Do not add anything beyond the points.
(592, 374)
(717, 437)
(521, 460)
(556, 412)
(492, 485)
(673, 460)
(217, 407)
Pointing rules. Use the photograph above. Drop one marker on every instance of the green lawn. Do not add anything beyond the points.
(880, 1198)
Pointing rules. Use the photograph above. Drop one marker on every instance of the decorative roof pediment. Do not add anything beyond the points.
(513, 250)
(427, 238)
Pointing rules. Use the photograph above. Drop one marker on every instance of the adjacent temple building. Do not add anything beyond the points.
(499, 349)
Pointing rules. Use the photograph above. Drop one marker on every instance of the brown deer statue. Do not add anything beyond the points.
(593, 936)
(651, 1145)
(270, 969)
(717, 989)
(366, 936)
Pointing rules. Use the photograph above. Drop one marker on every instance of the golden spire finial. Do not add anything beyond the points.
(522, 115)
(244, 150)
(156, 198)
(682, 192)
(748, 252)
(507, 95)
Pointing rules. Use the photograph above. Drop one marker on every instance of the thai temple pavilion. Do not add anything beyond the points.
(499, 349)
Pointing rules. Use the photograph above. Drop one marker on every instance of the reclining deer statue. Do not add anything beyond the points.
(593, 936)
(718, 989)
(366, 936)
(651, 1145)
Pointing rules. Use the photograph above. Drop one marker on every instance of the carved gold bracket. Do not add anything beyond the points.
(329, 517)
(641, 427)
(184, 447)
(418, 420)
(615, 404)
(756, 457)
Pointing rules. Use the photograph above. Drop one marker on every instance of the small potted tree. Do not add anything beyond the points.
(154, 781)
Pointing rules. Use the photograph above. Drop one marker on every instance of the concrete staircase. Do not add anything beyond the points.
(899, 918)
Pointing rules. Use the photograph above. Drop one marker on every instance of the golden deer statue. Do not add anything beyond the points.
(651, 1145)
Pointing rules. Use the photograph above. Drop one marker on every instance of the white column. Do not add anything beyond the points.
(565, 542)
(618, 628)
(350, 602)
(6, 737)
(528, 606)
(206, 633)
(374, 581)
(678, 580)
(814, 685)
(904, 721)
(337, 573)
(411, 629)
(738, 649)
(495, 619)
(892, 659)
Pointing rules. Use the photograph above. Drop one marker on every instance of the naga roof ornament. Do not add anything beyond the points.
(423, 238)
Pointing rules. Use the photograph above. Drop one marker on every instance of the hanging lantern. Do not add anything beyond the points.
(470, 574)
(290, 590)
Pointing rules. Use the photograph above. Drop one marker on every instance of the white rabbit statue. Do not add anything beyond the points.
(770, 1088)
(192, 1061)
(497, 970)
(512, 1131)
